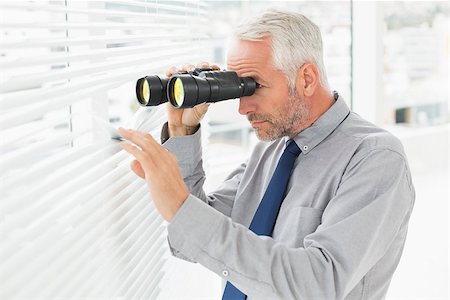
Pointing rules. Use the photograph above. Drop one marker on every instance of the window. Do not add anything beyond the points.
(400, 73)
(75, 222)
(416, 66)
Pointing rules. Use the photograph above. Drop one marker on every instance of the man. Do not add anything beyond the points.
(340, 228)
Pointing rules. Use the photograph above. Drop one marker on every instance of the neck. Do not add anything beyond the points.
(319, 103)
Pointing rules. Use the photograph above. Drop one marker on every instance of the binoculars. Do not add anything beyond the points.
(188, 89)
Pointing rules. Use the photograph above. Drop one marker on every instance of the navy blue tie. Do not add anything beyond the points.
(264, 219)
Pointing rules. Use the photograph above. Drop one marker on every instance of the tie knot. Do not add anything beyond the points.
(292, 147)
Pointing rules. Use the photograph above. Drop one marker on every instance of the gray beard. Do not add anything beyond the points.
(287, 121)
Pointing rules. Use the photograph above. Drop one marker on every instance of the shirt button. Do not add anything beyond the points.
(305, 148)
(225, 273)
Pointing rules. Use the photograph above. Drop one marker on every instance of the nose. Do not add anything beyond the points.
(246, 105)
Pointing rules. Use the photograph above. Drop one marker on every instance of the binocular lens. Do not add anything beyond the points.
(146, 91)
(178, 92)
(151, 90)
(143, 91)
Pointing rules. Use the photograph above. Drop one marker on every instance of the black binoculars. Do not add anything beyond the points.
(187, 89)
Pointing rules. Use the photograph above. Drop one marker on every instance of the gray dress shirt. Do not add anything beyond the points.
(341, 228)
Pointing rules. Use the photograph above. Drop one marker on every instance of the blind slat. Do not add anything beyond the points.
(40, 169)
(26, 156)
(27, 131)
(73, 239)
(21, 82)
(151, 283)
(61, 182)
(146, 282)
(108, 12)
(44, 212)
(94, 25)
(69, 57)
(78, 278)
(199, 6)
(150, 265)
(16, 116)
(100, 82)
(149, 241)
(147, 260)
(92, 41)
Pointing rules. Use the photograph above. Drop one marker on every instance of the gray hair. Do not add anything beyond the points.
(295, 41)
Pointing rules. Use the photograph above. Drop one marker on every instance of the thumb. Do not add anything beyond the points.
(137, 168)
(200, 111)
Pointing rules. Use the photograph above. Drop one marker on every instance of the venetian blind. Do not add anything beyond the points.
(75, 222)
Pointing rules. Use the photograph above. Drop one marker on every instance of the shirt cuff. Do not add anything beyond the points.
(193, 226)
(165, 132)
(187, 149)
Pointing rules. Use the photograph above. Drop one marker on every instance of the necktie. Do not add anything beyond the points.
(264, 219)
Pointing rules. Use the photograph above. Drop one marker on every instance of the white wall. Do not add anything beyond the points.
(423, 270)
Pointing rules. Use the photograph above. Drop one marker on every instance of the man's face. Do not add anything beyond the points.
(273, 110)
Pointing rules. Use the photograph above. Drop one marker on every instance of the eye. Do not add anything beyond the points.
(259, 85)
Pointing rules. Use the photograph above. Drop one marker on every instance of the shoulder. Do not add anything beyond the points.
(372, 149)
(376, 152)
(368, 138)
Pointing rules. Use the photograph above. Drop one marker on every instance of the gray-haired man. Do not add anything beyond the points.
(342, 224)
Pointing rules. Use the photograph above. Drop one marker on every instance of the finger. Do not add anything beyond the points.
(145, 141)
(207, 65)
(171, 108)
(200, 111)
(144, 159)
(203, 64)
(171, 71)
(188, 67)
(137, 169)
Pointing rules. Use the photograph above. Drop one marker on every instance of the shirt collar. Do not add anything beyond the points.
(323, 126)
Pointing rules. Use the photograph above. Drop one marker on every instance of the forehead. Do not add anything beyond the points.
(245, 55)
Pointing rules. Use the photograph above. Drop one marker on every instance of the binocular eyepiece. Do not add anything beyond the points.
(187, 89)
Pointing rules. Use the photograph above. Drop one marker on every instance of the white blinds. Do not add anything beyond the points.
(75, 222)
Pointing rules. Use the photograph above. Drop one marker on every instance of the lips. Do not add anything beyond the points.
(257, 123)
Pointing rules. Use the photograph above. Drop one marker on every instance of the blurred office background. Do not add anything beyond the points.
(390, 61)
(68, 66)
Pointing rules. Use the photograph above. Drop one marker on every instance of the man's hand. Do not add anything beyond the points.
(185, 121)
(160, 170)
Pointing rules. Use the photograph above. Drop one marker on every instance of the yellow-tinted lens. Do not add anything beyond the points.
(178, 91)
(146, 91)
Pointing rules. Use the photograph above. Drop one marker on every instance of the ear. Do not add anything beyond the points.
(307, 79)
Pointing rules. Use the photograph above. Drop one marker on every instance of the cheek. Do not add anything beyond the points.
(276, 99)
(269, 100)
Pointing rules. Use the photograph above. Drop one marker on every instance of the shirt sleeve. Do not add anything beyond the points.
(188, 150)
(359, 224)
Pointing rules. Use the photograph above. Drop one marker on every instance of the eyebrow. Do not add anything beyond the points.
(257, 78)
(254, 76)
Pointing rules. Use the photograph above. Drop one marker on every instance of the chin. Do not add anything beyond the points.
(264, 136)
